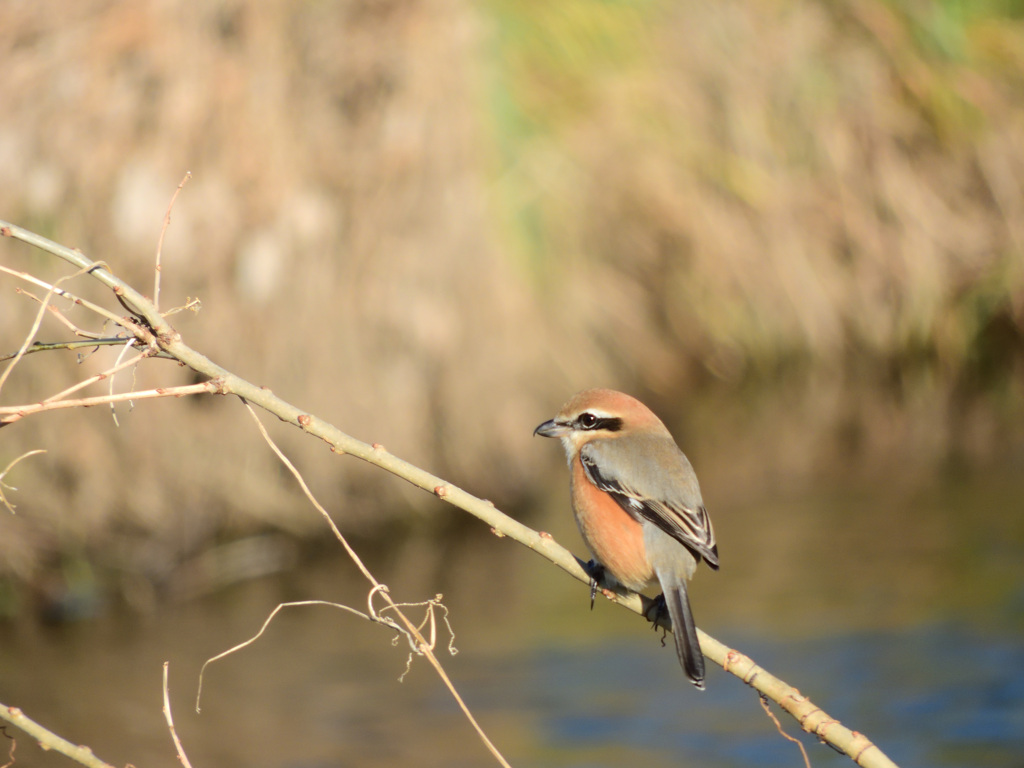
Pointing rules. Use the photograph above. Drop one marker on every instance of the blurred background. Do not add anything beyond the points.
(794, 229)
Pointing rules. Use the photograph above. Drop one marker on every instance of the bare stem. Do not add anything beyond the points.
(160, 243)
(50, 740)
(5, 487)
(11, 413)
(170, 722)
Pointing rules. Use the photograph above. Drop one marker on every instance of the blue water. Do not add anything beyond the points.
(935, 696)
(899, 616)
(321, 690)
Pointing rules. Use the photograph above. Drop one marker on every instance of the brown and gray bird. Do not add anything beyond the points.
(637, 503)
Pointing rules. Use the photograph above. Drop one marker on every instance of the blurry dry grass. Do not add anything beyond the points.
(760, 180)
(429, 222)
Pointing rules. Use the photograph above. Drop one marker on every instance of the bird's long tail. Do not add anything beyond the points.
(684, 632)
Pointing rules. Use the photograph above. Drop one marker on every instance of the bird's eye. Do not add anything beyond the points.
(588, 420)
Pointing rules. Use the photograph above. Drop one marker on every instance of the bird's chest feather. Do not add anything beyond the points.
(614, 538)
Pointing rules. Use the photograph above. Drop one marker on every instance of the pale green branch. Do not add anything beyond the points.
(50, 740)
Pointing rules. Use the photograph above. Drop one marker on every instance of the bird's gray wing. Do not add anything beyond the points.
(659, 486)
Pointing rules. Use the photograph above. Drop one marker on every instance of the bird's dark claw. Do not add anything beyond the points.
(657, 611)
(596, 572)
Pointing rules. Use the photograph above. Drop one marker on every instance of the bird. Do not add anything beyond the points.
(637, 504)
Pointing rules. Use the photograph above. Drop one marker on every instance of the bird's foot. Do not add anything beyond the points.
(596, 572)
(657, 611)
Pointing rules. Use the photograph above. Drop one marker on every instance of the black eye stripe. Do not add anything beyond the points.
(590, 422)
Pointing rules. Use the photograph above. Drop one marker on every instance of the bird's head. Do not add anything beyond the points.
(596, 414)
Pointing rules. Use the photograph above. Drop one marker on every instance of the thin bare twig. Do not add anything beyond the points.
(100, 376)
(92, 344)
(160, 242)
(14, 746)
(17, 412)
(312, 499)
(121, 354)
(5, 486)
(60, 316)
(768, 711)
(194, 304)
(50, 740)
(170, 722)
(258, 635)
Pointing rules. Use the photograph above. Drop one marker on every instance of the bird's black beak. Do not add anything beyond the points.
(552, 428)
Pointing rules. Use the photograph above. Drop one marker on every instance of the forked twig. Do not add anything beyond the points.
(421, 645)
(258, 635)
(194, 304)
(768, 711)
(60, 316)
(35, 325)
(109, 373)
(5, 486)
(64, 294)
